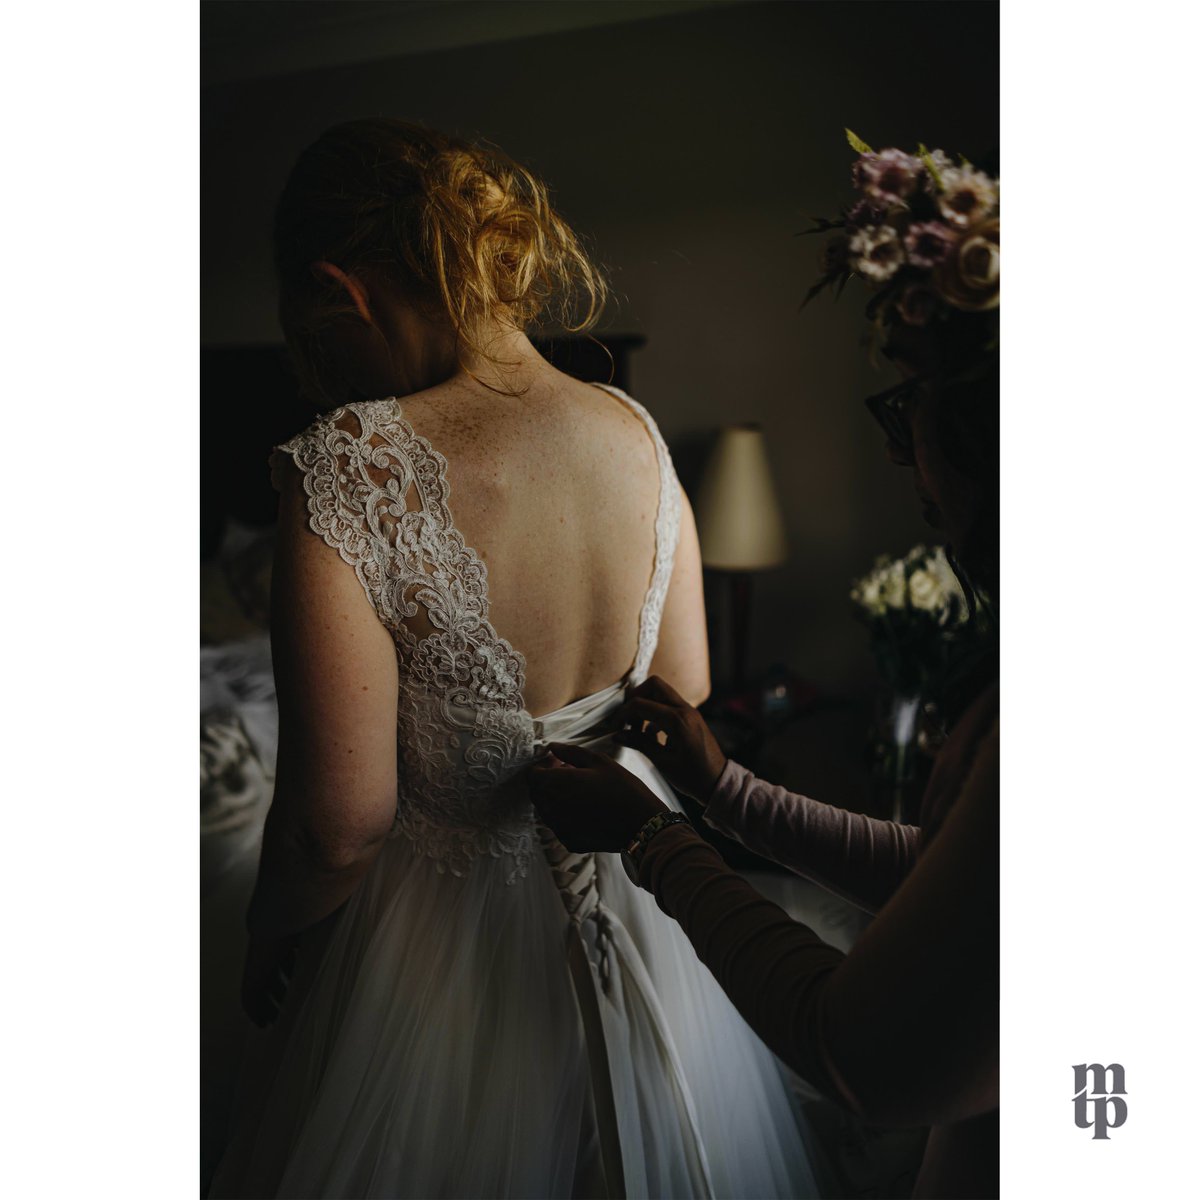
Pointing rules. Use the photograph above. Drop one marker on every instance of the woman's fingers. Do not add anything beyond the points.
(577, 756)
(657, 688)
(557, 777)
(544, 779)
(638, 711)
(650, 741)
(647, 724)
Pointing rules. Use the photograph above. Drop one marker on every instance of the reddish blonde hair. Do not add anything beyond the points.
(461, 230)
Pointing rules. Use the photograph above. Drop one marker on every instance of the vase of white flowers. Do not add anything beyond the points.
(921, 630)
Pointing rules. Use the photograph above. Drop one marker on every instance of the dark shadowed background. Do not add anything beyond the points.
(688, 142)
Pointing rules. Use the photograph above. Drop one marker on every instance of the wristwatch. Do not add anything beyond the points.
(631, 856)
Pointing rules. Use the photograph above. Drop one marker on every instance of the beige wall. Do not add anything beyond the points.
(689, 149)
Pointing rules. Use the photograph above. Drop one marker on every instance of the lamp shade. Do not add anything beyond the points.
(737, 511)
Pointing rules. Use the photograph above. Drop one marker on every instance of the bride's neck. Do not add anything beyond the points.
(505, 361)
(423, 355)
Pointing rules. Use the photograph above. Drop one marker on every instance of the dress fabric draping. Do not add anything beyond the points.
(490, 1014)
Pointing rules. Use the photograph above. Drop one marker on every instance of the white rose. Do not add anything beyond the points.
(926, 590)
(867, 595)
(894, 586)
(969, 276)
(940, 566)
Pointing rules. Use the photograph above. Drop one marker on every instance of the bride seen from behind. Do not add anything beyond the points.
(467, 538)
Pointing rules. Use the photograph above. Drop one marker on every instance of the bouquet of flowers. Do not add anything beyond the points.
(924, 232)
(924, 632)
(918, 617)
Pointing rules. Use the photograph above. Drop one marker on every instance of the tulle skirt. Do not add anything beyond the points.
(460, 1037)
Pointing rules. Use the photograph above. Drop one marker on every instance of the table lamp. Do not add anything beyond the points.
(739, 523)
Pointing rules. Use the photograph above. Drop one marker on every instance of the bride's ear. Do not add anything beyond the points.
(350, 284)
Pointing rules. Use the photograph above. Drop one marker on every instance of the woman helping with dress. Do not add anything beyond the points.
(903, 1030)
(472, 1010)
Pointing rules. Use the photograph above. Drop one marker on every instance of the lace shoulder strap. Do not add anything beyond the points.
(377, 493)
(666, 539)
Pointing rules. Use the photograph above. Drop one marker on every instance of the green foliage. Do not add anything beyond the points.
(822, 225)
(826, 281)
(931, 167)
(857, 144)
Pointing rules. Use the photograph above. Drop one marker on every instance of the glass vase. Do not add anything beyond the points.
(899, 730)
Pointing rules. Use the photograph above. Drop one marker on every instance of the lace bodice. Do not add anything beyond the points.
(377, 493)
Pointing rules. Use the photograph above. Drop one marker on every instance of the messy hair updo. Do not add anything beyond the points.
(465, 234)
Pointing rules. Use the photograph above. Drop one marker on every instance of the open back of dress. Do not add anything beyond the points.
(489, 1014)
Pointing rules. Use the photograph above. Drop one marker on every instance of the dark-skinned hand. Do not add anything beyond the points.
(589, 800)
(660, 723)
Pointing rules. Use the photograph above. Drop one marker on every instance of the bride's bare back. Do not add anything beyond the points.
(557, 490)
(395, 650)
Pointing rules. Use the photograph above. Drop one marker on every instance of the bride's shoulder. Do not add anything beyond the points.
(337, 437)
(627, 426)
(571, 421)
(358, 418)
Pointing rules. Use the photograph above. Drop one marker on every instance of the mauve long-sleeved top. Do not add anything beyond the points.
(905, 1028)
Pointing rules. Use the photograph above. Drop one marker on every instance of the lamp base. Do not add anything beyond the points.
(739, 624)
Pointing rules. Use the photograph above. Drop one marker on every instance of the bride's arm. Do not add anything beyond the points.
(682, 654)
(335, 784)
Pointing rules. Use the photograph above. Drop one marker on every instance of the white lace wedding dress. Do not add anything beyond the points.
(490, 1015)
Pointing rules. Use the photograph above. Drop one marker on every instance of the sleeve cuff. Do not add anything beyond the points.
(718, 811)
(661, 849)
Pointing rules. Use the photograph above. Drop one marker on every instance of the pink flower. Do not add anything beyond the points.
(862, 171)
(865, 212)
(889, 176)
(927, 243)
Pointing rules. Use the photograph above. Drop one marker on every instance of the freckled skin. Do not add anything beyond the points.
(557, 490)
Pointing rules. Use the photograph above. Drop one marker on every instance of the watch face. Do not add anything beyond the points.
(630, 868)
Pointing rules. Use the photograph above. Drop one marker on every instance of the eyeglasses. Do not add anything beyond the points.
(893, 410)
